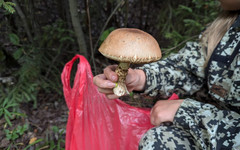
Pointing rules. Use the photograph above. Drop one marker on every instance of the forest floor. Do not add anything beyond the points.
(46, 125)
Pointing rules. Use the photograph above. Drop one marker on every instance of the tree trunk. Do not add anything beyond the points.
(34, 22)
(24, 20)
(78, 28)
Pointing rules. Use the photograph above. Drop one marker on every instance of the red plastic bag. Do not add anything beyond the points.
(95, 122)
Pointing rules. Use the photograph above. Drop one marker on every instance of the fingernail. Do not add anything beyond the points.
(111, 84)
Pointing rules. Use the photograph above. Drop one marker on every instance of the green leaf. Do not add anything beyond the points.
(19, 114)
(23, 129)
(1, 112)
(185, 8)
(190, 22)
(10, 3)
(14, 39)
(8, 6)
(131, 94)
(7, 113)
(6, 100)
(1, 3)
(37, 141)
(2, 56)
(11, 105)
(26, 95)
(66, 38)
(105, 34)
(18, 53)
(8, 120)
(14, 136)
(55, 129)
(8, 134)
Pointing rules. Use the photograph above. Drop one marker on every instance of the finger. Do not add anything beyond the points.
(102, 82)
(110, 74)
(99, 77)
(105, 91)
(112, 96)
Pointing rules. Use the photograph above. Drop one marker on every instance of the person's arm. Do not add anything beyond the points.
(214, 128)
(180, 73)
(183, 72)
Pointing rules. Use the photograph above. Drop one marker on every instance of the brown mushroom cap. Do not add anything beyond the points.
(131, 45)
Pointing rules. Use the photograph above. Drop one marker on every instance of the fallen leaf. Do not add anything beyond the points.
(32, 140)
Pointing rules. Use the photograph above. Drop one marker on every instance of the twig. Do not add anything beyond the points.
(90, 36)
(180, 43)
(126, 13)
(106, 23)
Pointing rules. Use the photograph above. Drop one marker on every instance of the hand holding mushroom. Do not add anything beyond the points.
(105, 82)
(126, 45)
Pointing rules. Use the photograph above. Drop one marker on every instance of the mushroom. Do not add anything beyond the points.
(127, 46)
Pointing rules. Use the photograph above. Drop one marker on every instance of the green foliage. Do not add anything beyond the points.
(37, 141)
(40, 65)
(16, 133)
(25, 89)
(38, 70)
(105, 34)
(58, 143)
(5, 107)
(14, 39)
(185, 21)
(8, 6)
(2, 56)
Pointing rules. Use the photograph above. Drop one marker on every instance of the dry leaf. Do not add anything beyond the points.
(32, 140)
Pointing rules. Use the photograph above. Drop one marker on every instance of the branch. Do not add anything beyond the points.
(106, 23)
(23, 17)
(90, 35)
(170, 49)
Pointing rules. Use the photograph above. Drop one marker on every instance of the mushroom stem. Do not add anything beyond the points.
(122, 71)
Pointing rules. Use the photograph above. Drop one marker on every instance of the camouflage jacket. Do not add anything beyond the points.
(214, 123)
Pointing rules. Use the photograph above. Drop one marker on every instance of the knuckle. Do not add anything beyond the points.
(104, 70)
(99, 90)
(159, 115)
(95, 79)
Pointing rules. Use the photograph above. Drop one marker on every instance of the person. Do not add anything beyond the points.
(213, 64)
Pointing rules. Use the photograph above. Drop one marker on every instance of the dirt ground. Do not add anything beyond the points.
(51, 112)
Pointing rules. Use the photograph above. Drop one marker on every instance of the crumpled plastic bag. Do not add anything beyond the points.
(95, 122)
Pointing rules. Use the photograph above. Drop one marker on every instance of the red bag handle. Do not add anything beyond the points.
(66, 75)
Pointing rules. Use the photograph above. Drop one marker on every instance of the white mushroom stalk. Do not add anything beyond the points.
(122, 71)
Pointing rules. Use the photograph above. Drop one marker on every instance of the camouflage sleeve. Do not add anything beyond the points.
(211, 127)
(182, 73)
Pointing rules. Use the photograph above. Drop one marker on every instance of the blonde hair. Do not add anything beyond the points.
(216, 30)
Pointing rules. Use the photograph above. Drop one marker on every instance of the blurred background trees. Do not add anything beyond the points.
(39, 36)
